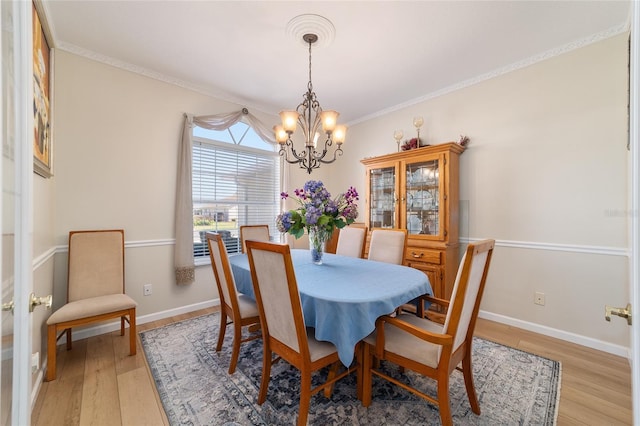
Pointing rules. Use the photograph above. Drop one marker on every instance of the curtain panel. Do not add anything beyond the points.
(183, 256)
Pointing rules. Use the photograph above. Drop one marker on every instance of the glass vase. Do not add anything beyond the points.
(317, 239)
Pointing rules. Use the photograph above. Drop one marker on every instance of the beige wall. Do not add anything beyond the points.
(546, 168)
(117, 137)
(544, 174)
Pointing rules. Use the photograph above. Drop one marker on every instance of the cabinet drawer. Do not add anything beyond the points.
(423, 255)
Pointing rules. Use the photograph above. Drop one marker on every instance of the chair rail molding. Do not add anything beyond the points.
(571, 248)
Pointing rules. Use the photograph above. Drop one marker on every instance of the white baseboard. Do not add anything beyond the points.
(36, 387)
(536, 328)
(589, 342)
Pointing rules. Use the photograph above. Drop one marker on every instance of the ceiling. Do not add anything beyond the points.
(385, 54)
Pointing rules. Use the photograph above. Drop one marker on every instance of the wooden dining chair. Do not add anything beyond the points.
(95, 290)
(388, 245)
(283, 328)
(430, 348)
(239, 309)
(253, 232)
(351, 241)
(332, 243)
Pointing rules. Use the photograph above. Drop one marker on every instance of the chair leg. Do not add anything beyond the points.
(68, 332)
(223, 329)
(366, 375)
(235, 353)
(443, 401)
(359, 370)
(333, 371)
(305, 397)
(132, 332)
(266, 375)
(467, 372)
(122, 326)
(51, 352)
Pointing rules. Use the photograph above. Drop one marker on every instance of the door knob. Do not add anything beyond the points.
(35, 301)
(8, 306)
(621, 312)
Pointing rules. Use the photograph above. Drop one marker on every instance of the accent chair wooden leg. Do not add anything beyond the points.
(132, 332)
(51, 352)
(122, 325)
(69, 339)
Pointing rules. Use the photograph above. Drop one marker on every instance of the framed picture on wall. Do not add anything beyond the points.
(42, 97)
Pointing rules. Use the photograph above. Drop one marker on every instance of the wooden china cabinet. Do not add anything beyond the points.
(418, 190)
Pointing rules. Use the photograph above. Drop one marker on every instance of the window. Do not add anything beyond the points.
(236, 181)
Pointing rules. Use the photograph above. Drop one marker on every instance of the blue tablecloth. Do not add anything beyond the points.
(343, 297)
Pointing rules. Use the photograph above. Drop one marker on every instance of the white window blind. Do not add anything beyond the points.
(233, 186)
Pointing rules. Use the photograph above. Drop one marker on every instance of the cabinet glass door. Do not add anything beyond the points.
(382, 203)
(423, 197)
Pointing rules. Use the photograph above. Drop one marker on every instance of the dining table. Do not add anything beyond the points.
(342, 297)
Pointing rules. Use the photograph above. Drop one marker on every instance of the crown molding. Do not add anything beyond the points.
(594, 38)
(126, 66)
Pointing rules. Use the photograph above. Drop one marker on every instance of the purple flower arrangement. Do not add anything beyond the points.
(318, 211)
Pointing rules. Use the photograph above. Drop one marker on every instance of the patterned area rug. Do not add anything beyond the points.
(514, 387)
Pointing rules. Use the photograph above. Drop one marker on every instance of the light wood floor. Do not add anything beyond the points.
(99, 384)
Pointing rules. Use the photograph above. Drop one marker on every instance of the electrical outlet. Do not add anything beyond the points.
(538, 298)
(35, 362)
(146, 289)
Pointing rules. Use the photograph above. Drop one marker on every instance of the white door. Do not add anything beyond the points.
(15, 212)
(634, 134)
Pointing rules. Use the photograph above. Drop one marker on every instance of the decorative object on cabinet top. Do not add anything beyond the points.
(464, 141)
(397, 135)
(423, 149)
(418, 122)
(412, 143)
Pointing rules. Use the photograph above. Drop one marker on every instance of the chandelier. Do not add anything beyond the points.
(309, 115)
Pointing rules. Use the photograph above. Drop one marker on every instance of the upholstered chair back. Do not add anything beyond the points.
(277, 294)
(388, 245)
(254, 233)
(466, 294)
(351, 241)
(96, 264)
(221, 268)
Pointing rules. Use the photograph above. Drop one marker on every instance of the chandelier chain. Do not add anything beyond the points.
(310, 85)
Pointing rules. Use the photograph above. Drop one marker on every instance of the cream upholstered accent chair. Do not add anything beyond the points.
(95, 290)
(351, 241)
(388, 245)
(240, 309)
(253, 232)
(283, 326)
(430, 348)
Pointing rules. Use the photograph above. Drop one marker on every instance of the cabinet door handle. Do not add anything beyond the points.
(416, 256)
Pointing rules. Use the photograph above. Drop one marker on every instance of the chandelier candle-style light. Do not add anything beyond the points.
(309, 115)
